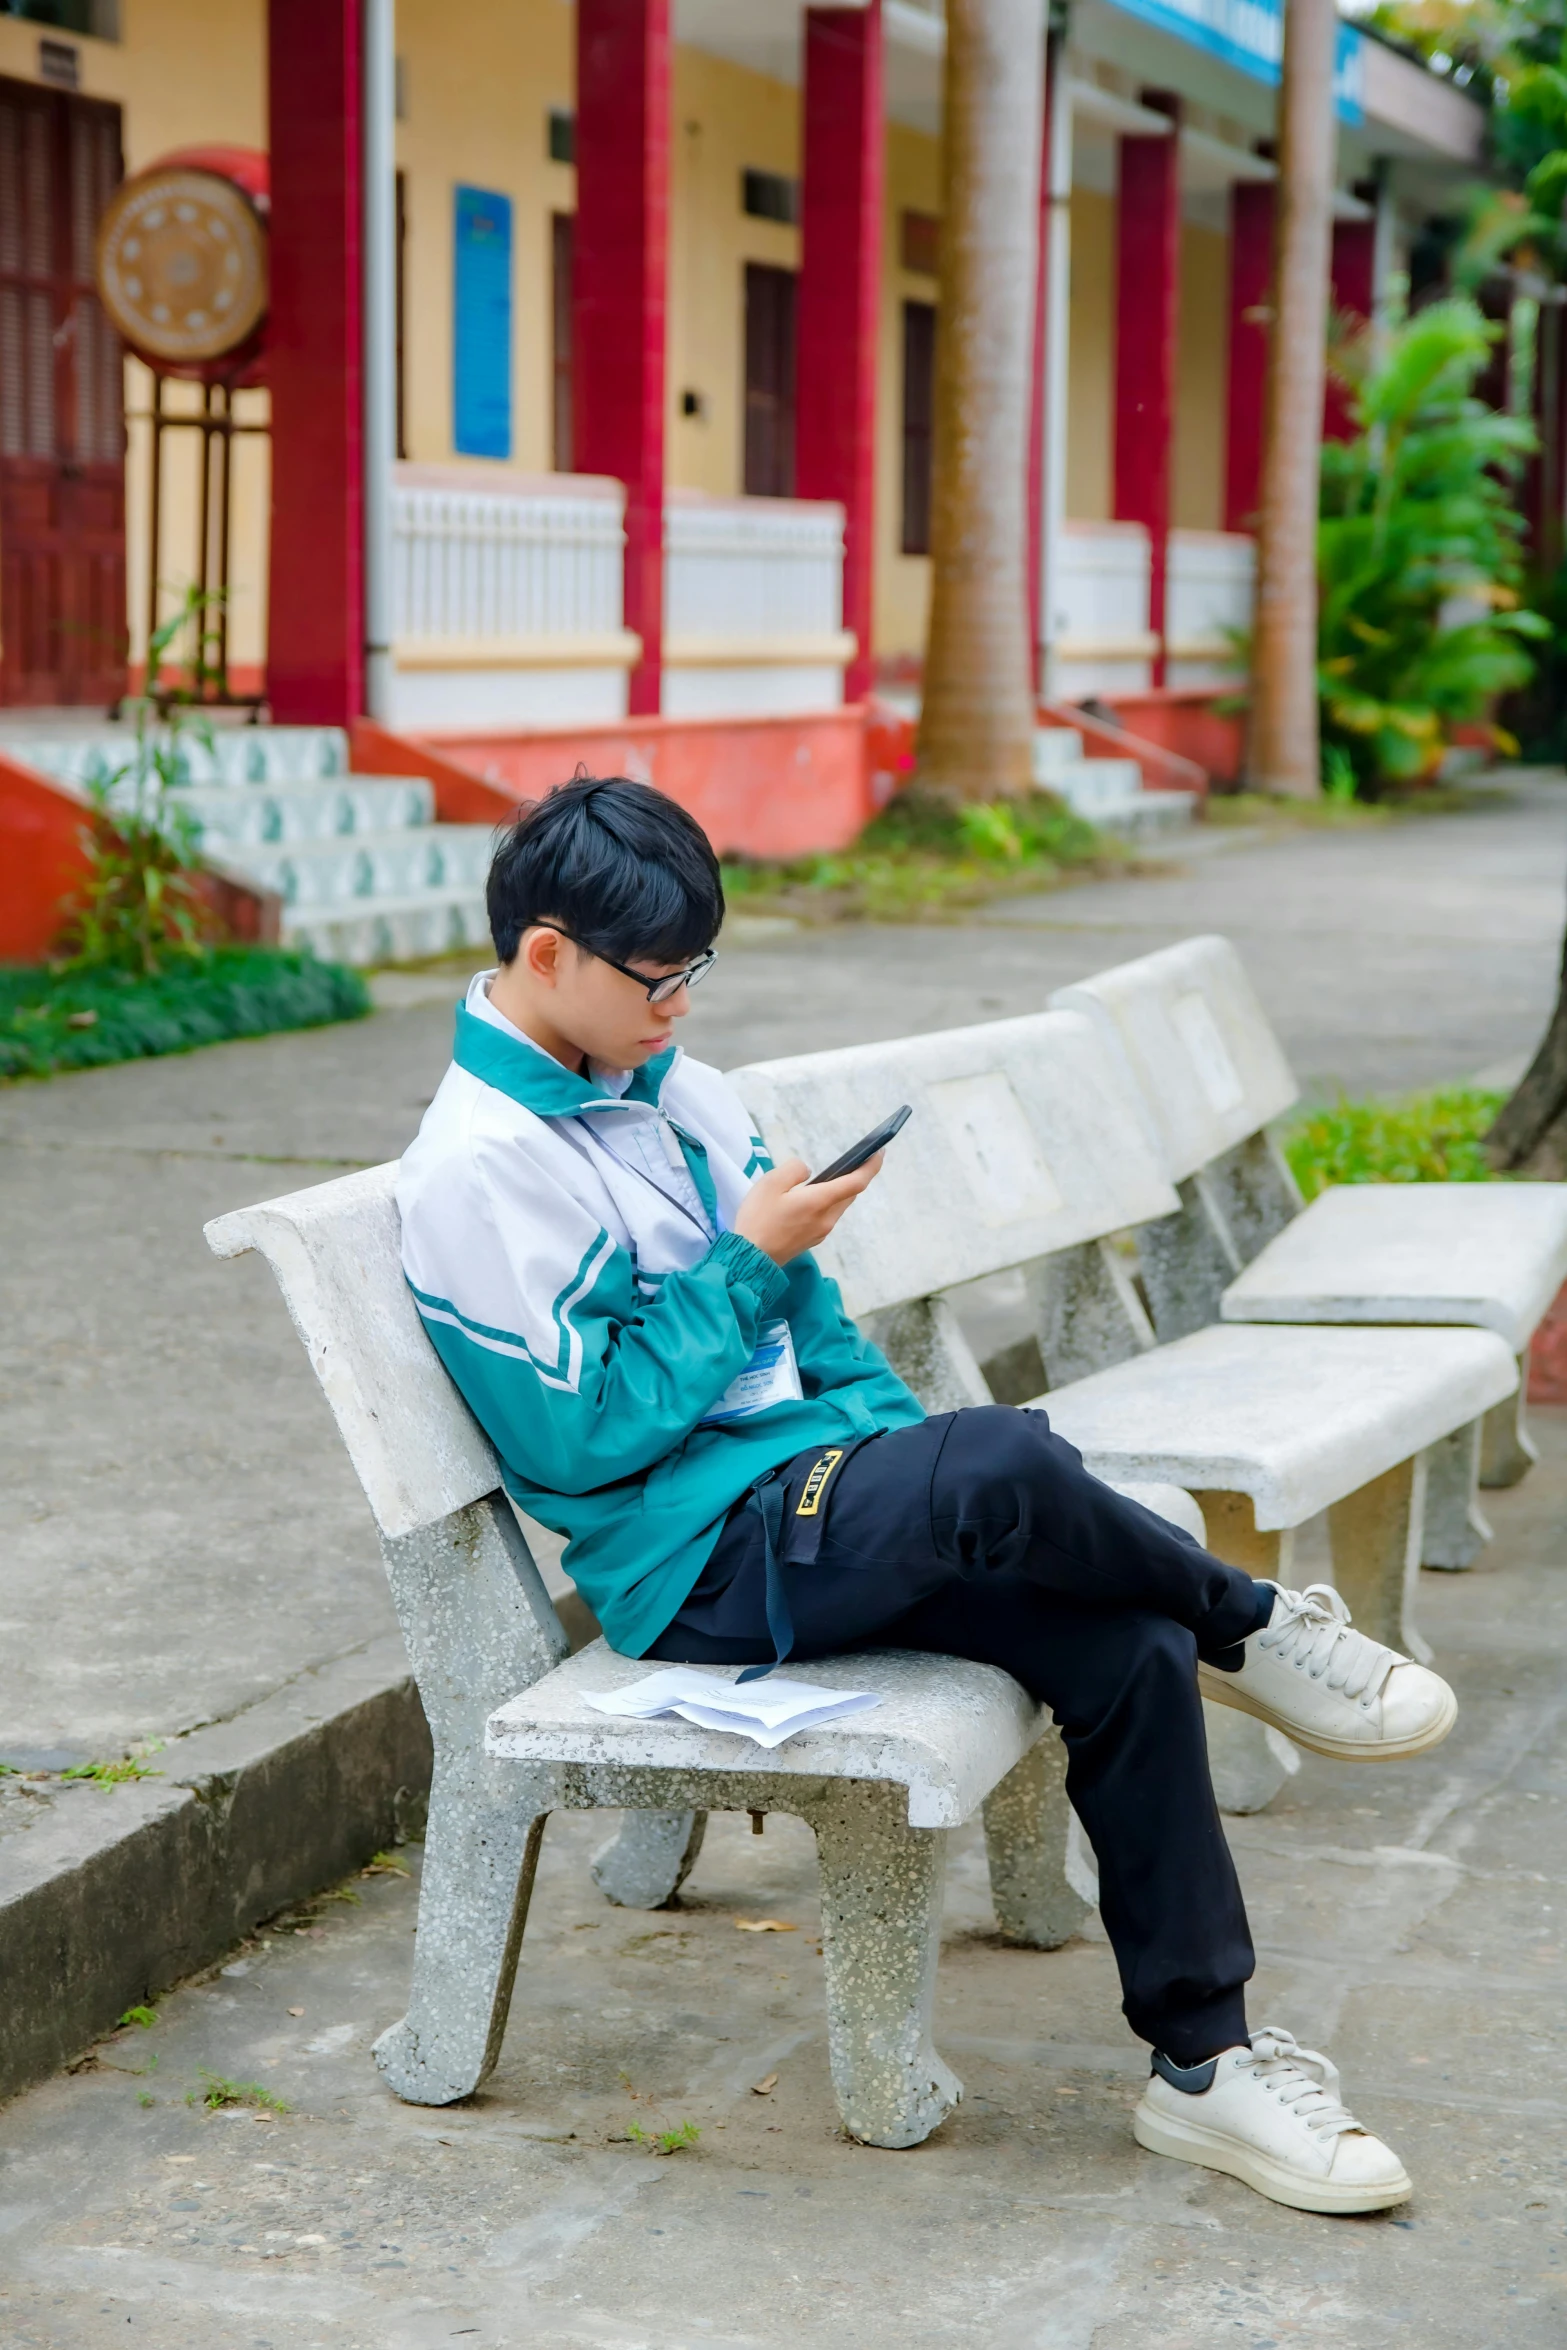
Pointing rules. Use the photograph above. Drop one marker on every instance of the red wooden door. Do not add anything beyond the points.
(62, 409)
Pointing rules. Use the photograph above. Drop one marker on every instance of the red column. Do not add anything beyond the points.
(618, 291)
(840, 297)
(1148, 259)
(1055, 51)
(1251, 274)
(315, 623)
(1354, 290)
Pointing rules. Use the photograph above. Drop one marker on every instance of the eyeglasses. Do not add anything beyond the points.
(658, 991)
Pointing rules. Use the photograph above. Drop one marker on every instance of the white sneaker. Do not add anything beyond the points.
(1272, 2117)
(1312, 1675)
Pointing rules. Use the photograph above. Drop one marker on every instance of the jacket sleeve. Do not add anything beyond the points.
(579, 1373)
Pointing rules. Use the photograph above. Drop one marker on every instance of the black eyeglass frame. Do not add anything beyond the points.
(658, 991)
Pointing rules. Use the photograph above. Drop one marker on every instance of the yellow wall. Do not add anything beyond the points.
(1197, 487)
(478, 82)
(902, 581)
(1090, 358)
(724, 121)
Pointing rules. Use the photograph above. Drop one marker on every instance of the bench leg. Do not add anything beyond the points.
(1248, 1761)
(481, 1851)
(881, 1891)
(1027, 1823)
(1187, 1262)
(645, 1865)
(1376, 1555)
(1455, 1531)
(1507, 1451)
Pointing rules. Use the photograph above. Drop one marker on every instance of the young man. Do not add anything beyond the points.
(622, 1288)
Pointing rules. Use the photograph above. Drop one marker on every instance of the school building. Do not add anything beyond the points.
(656, 359)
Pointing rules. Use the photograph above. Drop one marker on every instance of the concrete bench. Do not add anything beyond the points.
(1029, 1148)
(1243, 1248)
(489, 1654)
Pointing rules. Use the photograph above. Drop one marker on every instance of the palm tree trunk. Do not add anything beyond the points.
(1530, 1134)
(976, 727)
(1282, 748)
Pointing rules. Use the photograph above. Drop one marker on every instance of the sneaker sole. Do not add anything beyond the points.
(1213, 2150)
(1221, 1689)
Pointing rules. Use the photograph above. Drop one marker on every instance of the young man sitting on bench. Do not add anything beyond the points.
(623, 1290)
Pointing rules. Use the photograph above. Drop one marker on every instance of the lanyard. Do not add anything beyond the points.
(601, 1142)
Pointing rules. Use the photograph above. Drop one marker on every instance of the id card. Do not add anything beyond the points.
(771, 1376)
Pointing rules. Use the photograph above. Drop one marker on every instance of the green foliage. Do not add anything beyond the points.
(76, 1018)
(146, 2017)
(219, 2092)
(1428, 1138)
(112, 1774)
(925, 854)
(138, 908)
(1418, 511)
(663, 2141)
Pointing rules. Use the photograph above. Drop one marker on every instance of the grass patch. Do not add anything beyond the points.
(663, 2141)
(924, 857)
(112, 1774)
(1424, 1138)
(53, 1020)
(217, 2092)
(146, 2017)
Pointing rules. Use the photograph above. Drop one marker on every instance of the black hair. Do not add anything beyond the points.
(619, 865)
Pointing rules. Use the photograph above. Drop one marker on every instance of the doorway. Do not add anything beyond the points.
(62, 406)
(769, 381)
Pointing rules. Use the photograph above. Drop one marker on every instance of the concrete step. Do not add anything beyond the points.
(408, 863)
(1096, 788)
(233, 820)
(1149, 812)
(225, 755)
(1055, 748)
(391, 929)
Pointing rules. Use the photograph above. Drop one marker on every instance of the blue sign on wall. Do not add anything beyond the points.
(1250, 34)
(481, 336)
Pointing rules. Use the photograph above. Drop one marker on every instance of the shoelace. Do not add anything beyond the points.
(1314, 1629)
(1301, 2079)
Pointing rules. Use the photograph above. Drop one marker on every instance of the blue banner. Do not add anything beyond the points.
(1249, 34)
(481, 325)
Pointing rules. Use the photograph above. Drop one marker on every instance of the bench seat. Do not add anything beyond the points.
(1492, 1255)
(946, 1732)
(1297, 1419)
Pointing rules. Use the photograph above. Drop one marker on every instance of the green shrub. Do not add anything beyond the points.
(1427, 1138)
(76, 1017)
(1420, 509)
(925, 853)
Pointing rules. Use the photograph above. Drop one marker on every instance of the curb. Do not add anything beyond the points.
(128, 1888)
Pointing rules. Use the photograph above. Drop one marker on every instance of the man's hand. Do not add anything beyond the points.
(784, 1213)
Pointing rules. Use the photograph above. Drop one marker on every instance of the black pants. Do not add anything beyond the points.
(980, 1534)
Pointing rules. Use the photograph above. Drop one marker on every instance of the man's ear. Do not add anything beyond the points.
(538, 955)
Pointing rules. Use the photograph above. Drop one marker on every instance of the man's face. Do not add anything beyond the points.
(608, 1015)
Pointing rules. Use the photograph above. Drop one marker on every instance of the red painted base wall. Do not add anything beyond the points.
(1184, 719)
(760, 787)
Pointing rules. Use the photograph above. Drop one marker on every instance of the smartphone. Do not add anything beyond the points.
(867, 1146)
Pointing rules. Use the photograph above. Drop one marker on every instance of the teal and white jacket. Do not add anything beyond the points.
(568, 1242)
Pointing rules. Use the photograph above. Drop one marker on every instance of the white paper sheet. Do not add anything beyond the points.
(767, 1711)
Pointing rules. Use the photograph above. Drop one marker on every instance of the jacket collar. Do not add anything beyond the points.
(524, 1074)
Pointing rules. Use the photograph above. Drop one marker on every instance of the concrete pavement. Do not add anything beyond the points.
(1409, 1920)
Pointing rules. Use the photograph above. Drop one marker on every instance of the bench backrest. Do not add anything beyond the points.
(1027, 1138)
(335, 1251)
(1200, 1047)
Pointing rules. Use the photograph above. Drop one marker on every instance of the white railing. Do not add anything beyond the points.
(524, 558)
(1099, 609)
(1211, 583)
(762, 570)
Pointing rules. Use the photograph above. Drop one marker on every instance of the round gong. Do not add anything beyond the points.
(182, 265)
